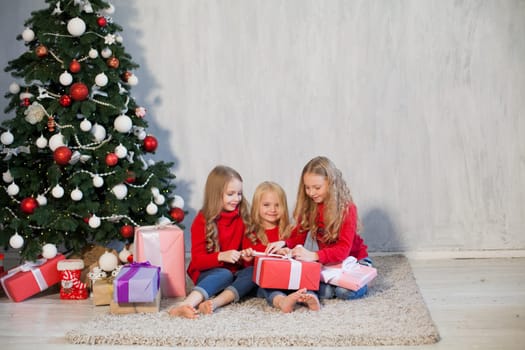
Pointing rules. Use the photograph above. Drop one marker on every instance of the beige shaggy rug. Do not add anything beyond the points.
(392, 313)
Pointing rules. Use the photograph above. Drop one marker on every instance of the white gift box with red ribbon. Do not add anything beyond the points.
(349, 274)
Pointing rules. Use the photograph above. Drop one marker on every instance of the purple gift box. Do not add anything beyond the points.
(136, 283)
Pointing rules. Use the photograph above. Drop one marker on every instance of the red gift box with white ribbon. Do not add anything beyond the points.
(30, 278)
(280, 272)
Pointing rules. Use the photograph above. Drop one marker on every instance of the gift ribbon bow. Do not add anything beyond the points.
(295, 270)
(330, 273)
(34, 268)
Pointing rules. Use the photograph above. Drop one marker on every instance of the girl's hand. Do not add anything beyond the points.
(284, 251)
(274, 247)
(303, 254)
(247, 254)
(229, 256)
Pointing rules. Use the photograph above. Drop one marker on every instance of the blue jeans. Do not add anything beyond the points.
(242, 284)
(213, 281)
(328, 291)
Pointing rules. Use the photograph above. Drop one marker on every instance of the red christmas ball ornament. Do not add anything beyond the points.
(150, 143)
(111, 159)
(74, 66)
(113, 62)
(127, 231)
(130, 258)
(102, 21)
(65, 100)
(79, 91)
(28, 205)
(26, 102)
(130, 177)
(41, 51)
(126, 75)
(177, 214)
(62, 155)
(86, 220)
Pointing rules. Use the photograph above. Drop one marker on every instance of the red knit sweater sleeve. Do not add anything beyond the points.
(201, 259)
(340, 250)
(296, 237)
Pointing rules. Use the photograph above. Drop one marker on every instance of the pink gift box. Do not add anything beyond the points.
(349, 274)
(163, 246)
(284, 273)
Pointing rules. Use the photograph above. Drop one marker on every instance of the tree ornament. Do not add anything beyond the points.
(65, 101)
(16, 241)
(94, 221)
(131, 177)
(98, 132)
(14, 88)
(120, 191)
(123, 255)
(150, 143)
(177, 214)
(163, 221)
(102, 21)
(41, 199)
(108, 262)
(25, 95)
(127, 231)
(28, 205)
(13, 189)
(126, 75)
(113, 62)
(152, 208)
(57, 191)
(56, 141)
(93, 53)
(109, 10)
(123, 123)
(7, 138)
(41, 142)
(74, 66)
(133, 80)
(41, 51)
(79, 91)
(76, 26)
(76, 194)
(98, 181)
(28, 35)
(159, 200)
(49, 251)
(155, 191)
(177, 202)
(130, 258)
(62, 155)
(51, 123)
(85, 125)
(25, 102)
(101, 79)
(7, 177)
(65, 78)
(121, 151)
(106, 52)
(111, 159)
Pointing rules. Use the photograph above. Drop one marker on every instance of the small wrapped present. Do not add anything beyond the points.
(286, 273)
(136, 283)
(133, 308)
(71, 287)
(163, 246)
(26, 280)
(102, 291)
(349, 274)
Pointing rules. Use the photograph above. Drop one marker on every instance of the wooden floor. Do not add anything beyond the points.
(476, 304)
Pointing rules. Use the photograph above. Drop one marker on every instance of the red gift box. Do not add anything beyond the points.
(285, 273)
(349, 274)
(163, 246)
(28, 279)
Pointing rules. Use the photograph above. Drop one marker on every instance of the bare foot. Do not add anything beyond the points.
(206, 307)
(183, 310)
(288, 302)
(311, 301)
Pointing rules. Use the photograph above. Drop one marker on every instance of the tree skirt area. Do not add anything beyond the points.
(392, 313)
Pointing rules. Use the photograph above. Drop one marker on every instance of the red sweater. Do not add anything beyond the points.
(271, 234)
(348, 244)
(231, 230)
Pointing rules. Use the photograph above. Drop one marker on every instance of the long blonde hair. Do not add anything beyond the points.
(216, 184)
(335, 204)
(257, 231)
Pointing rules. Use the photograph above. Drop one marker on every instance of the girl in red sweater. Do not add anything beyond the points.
(326, 224)
(216, 236)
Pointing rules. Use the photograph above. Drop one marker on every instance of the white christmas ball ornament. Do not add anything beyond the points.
(14, 88)
(41, 199)
(76, 194)
(133, 80)
(155, 191)
(85, 125)
(28, 35)
(121, 151)
(159, 200)
(41, 142)
(56, 141)
(24, 95)
(49, 251)
(163, 221)
(123, 255)
(152, 209)
(177, 202)
(98, 181)
(120, 191)
(16, 241)
(7, 138)
(57, 191)
(13, 189)
(109, 10)
(93, 53)
(65, 78)
(106, 52)
(123, 123)
(119, 39)
(76, 26)
(101, 79)
(99, 132)
(108, 262)
(7, 177)
(94, 221)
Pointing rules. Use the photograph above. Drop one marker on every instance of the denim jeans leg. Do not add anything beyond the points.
(347, 294)
(269, 294)
(243, 283)
(326, 291)
(212, 281)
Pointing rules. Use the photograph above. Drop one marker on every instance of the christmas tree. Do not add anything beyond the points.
(73, 158)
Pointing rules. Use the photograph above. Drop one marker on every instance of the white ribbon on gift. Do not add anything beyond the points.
(331, 273)
(32, 266)
(295, 270)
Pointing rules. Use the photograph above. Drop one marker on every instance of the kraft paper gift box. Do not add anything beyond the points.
(136, 283)
(133, 308)
(30, 278)
(163, 246)
(349, 274)
(286, 273)
(102, 291)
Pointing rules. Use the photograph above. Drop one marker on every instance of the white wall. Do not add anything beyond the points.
(420, 103)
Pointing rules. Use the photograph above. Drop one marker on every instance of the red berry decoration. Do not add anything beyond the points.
(26, 102)
(130, 258)
(127, 231)
(62, 155)
(65, 101)
(111, 159)
(150, 143)
(177, 214)
(78, 91)
(102, 21)
(74, 66)
(28, 205)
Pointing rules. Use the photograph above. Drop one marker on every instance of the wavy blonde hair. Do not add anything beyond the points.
(216, 184)
(335, 204)
(257, 231)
